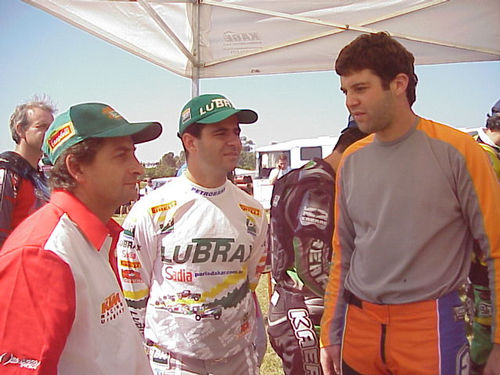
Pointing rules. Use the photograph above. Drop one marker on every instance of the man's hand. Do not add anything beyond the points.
(493, 364)
(330, 359)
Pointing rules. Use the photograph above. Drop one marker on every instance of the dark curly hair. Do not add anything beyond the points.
(83, 152)
(382, 54)
(493, 121)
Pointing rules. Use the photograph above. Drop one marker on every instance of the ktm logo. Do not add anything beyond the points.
(110, 302)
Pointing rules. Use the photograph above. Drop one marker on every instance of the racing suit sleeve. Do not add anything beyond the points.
(257, 260)
(332, 321)
(7, 200)
(312, 228)
(35, 320)
(136, 252)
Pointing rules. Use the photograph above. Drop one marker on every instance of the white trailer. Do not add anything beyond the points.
(299, 152)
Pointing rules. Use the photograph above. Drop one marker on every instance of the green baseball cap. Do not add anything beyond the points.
(93, 120)
(212, 108)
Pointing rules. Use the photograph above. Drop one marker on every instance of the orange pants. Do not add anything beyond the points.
(421, 338)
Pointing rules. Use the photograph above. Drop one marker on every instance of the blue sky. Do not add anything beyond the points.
(41, 54)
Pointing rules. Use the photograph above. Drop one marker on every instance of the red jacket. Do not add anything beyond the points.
(23, 190)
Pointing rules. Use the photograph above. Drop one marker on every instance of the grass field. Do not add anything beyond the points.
(272, 363)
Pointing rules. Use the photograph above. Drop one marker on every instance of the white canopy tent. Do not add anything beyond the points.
(223, 38)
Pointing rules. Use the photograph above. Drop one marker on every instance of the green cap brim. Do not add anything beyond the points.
(139, 131)
(245, 116)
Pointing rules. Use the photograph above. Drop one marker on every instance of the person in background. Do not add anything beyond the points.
(489, 139)
(149, 186)
(181, 169)
(300, 245)
(23, 187)
(193, 250)
(61, 307)
(411, 199)
(282, 168)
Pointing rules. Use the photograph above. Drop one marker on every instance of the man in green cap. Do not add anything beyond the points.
(62, 309)
(193, 250)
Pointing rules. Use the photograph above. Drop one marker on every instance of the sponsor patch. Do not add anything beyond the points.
(201, 250)
(136, 295)
(303, 329)
(129, 254)
(215, 103)
(131, 276)
(208, 193)
(186, 115)
(130, 264)
(111, 113)
(111, 307)
(168, 227)
(130, 232)
(163, 207)
(126, 243)
(179, 275)
(314, 216)
(252, 210)
(60, 135)
(251, 225)
(11, 359)
(459, 313)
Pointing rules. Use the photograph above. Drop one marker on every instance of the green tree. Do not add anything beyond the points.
(247, 156)
(167, 166)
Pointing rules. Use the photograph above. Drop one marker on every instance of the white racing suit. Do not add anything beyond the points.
(188, 260)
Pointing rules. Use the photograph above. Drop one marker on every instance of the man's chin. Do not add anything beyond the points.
(230, 166)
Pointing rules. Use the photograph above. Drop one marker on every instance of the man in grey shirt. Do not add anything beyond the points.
(411, 199)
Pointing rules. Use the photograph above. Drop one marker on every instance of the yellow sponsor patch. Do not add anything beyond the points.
(60, 135)
(163, 207)
(130, 264)
(252, 210)
(186, 115)
(136, 295)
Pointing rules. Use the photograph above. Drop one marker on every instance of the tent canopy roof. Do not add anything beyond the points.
(222, 38)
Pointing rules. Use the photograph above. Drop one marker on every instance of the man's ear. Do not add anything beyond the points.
(400, 83)
(21, 132)
(74, 168)
(189, 142)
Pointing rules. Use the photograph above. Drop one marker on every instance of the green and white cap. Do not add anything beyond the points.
(212, 108)
(93, 120)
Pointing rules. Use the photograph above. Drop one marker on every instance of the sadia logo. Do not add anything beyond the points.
(178, 275)
(111, 307)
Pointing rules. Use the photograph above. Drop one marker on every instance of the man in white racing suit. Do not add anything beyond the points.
(193, 250)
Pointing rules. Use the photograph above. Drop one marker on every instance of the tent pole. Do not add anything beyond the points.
(195, 79)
